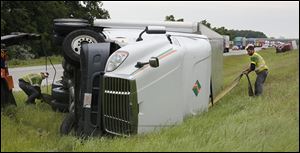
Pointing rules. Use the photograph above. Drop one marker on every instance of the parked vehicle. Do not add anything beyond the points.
(294, 44)
(135, 77)
(240, 42)
(226, 43)
(283, 47)
(257, 43)
(235, 48)
(265, 46)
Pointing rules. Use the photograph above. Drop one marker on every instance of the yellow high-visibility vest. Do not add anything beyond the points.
(33, 79)
(259, 62)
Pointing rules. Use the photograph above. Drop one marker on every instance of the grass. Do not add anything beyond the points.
(236, 123)
(34, 62)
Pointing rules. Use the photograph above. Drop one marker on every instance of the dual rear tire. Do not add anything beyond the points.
(71, 33)
(73, 42)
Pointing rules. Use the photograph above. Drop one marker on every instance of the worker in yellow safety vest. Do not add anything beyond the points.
(258, 65)
(31, 85)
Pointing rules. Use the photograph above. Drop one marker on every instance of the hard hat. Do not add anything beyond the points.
(250, 47)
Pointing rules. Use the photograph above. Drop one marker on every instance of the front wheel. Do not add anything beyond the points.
(67, 124)
(73, 41)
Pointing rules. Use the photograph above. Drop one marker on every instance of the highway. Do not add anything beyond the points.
(239, 52)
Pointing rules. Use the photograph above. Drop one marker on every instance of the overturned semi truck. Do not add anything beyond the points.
(124, 78)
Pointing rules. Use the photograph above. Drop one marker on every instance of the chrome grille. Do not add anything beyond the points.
(119, 106)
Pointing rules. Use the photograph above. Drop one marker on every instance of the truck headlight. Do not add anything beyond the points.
(116, 60)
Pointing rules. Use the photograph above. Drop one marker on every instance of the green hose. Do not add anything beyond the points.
(231, 86)
(250, 89)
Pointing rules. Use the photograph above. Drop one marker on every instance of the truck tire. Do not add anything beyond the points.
(67, 124)
(72, 44)
(60, 94)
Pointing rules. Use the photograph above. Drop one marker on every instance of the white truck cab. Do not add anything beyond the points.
(160, 73)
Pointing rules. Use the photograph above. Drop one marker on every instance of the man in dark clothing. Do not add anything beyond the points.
(31, 85)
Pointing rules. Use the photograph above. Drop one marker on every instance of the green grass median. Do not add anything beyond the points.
(237, 123)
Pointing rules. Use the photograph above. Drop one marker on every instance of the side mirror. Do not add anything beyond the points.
(155, 30)
(154, 62)
(152, 30)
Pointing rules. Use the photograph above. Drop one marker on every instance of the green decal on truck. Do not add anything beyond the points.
(196, 88)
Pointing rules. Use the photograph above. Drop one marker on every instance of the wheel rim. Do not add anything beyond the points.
(76, 43)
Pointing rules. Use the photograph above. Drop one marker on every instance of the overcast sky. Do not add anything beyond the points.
(275, 19)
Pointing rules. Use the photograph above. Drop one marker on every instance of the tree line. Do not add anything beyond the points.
(37, 17)
(235, 33)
